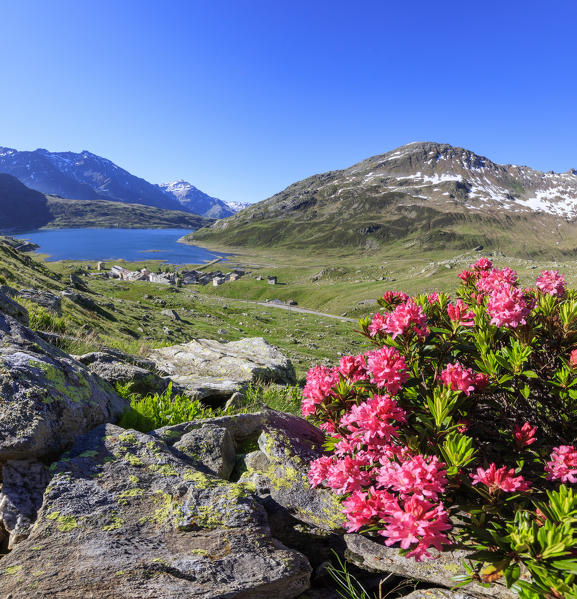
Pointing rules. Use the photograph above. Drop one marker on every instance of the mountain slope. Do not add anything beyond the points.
(83, 176)
(102, 213)
(20, 207)
(193, 200)
(434, 194)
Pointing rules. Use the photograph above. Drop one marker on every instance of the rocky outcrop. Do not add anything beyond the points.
(47, 300)
(213, 371)
(11, 308)
(124, 517)
(116, 367)
(23, 484)
(47, 398)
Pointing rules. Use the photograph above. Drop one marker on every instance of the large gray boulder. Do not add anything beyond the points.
(209, 368)
(47, 399)
(124, 518)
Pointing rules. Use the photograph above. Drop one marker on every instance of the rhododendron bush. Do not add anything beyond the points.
(458, 428)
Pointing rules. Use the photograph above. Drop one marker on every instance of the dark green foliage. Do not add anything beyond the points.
(149, 412)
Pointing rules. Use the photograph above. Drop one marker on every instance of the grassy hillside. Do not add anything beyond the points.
(128, 316)
(102, 213)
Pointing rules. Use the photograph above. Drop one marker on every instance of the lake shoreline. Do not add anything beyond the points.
(104, 244)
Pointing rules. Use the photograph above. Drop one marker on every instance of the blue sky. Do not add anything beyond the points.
(244, 97)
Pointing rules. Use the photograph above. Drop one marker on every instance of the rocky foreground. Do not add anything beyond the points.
(216, 508)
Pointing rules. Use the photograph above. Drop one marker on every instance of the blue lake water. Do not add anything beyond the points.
(115, 244)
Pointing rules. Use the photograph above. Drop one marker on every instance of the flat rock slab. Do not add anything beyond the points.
(47, 399)
(124, 518)
(371, 555)
(244, 361)
(438, 594)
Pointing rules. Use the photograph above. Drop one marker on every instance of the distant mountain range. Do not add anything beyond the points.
(193, 200)
(22, 209)
(86, 176)
(428, 194)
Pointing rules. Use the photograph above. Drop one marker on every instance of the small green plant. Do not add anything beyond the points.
(348, 587)
(150, 412)
(42, 319)
(283, 399)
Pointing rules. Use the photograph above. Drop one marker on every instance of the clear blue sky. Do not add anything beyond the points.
(244, 97)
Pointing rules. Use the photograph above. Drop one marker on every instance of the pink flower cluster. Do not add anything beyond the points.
(563, 464)
(319, 385)
(394, 297)
(495, 279)
(458, 378)
(482, 264)
(419, 524)
(552, 283)
(406, 318)
(388, 369)
(425, 477)
(460, 313)
(503, 479)
(373, 419)
(524, 435)
(508, 307)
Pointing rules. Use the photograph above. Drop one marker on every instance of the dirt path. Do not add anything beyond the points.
(297, 309)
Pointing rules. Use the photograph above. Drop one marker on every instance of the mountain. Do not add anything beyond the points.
(237, 206)
(426, 194)
(193, 200)
(102, 213)
(83, 176)
(24, 209)
(21, 208)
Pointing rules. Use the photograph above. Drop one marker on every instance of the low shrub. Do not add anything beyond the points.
(458, 429)
(42, 319)
(278, 397)
(149, 412)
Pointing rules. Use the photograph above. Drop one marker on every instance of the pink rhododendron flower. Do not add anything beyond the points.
(482, 264)
(373, 418)
(459, 312)
(573, 359)
(418, 475)
(364, 508)
(318, 470)
(507, 307)
(407, 317)
(563, 464)
(524, 435)
(395, 297)
(467, 276)
(328, 427)
(500, 478)
(464, 425)
(458, 378)
(347, 475)
(433, 298)
(495, 279)
(419, 523)
(552, 283)
(378, 325)
(320, 381)
(388, 369)
(353, 367)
